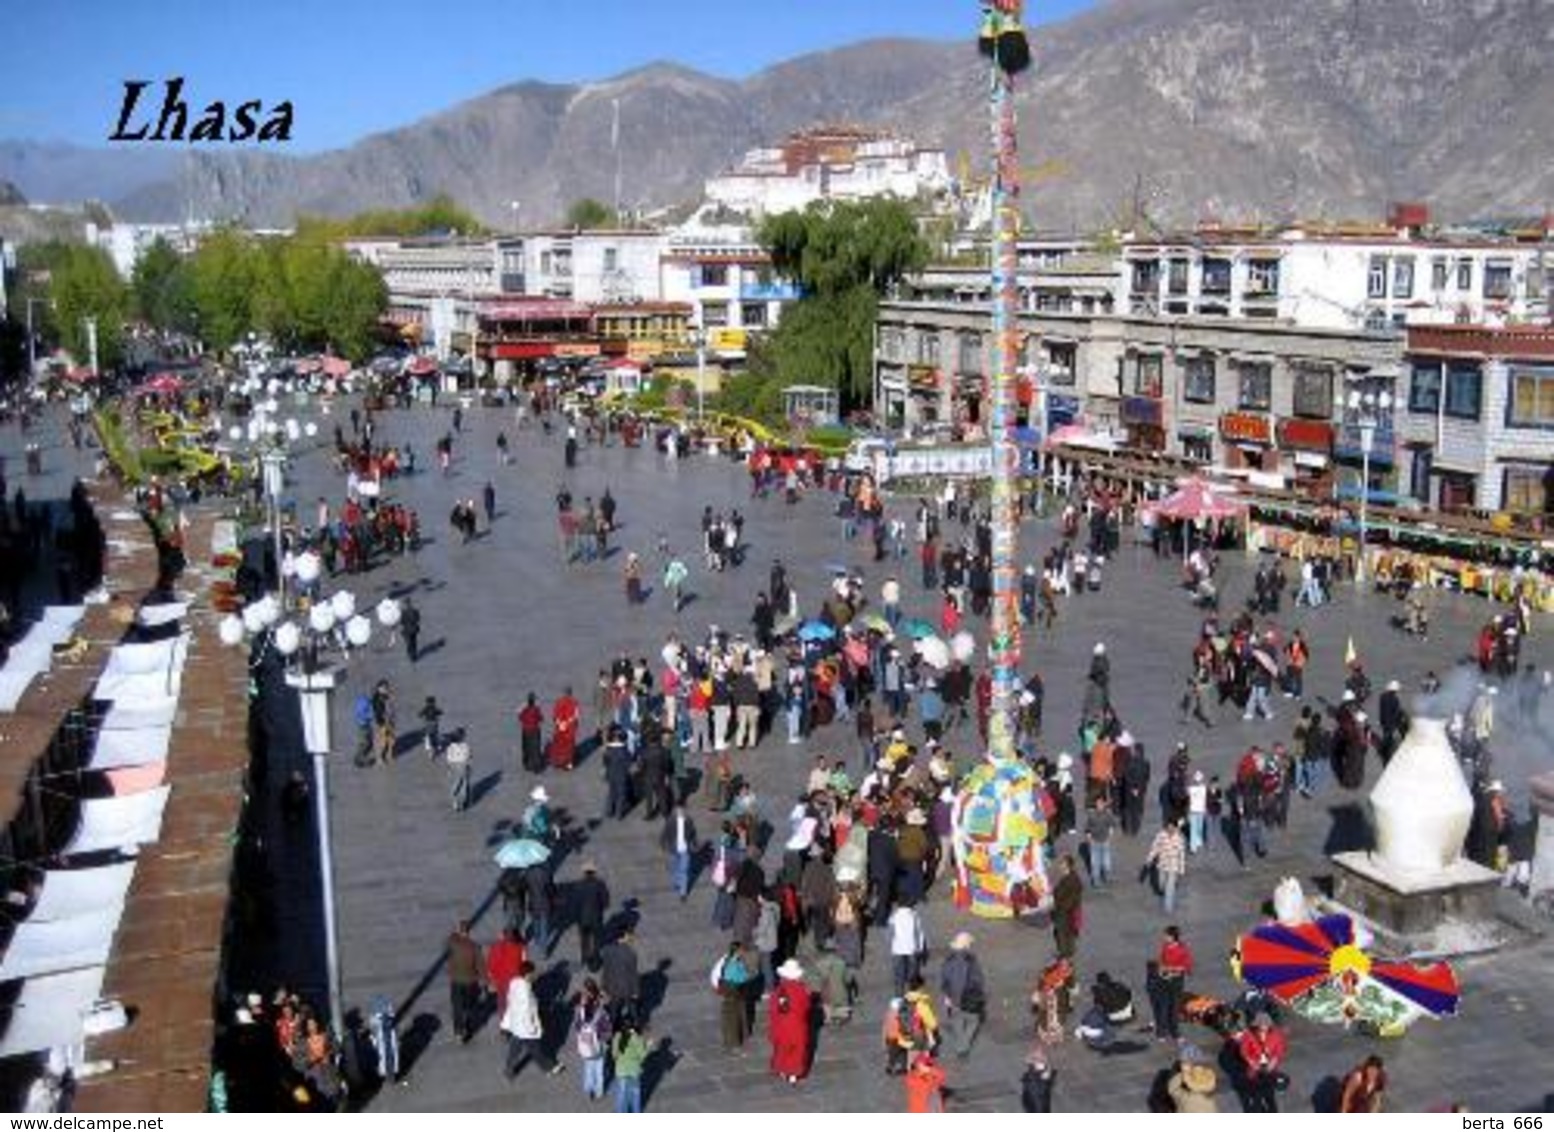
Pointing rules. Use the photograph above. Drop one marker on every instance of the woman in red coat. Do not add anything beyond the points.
(788, 1012)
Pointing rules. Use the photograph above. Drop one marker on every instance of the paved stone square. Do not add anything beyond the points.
(503, 616)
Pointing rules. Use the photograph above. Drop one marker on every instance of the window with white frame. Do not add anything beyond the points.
(1403, 278)
(1497, 280)
(1424, 388)
(1439, 272)
(1464, 275)
(1376, 280)
(1262, 277)
(1532, 397)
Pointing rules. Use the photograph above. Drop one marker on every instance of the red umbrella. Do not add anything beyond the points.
(163, 384)
(1196, 499)
(421, 367)
(336, 367)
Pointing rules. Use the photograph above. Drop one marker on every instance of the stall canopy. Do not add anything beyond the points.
(51, 1011)
(120, 822)
(144, 671)
(137, 715)
(61, 945)
(78, 892)
(1196, 499)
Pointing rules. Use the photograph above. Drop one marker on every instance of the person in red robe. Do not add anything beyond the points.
(504, 959)
(563, 742)
(788, 1013)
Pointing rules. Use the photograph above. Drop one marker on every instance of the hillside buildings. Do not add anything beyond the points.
(830, 163)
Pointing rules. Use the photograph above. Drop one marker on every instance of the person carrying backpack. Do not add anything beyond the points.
(592, 1031)
(964, 991)
(731, 979)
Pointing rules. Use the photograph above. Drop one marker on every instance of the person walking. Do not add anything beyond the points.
(1068, 896)
(590, 902)
(908, 943)
(630, 1050)
(504, 958)
(621, 978)
(457, 757)
(678, 839)
(488, 501)
(591, 1037)
(964, 989)
(524, 1029)
(1174, 964)
(789, 1023)
(565, 716)
(431, 735)
(732, 977)
(410, 629)
(1100, 827)
(1168, 854)
(531, 727)
(924, 1083)
(464, 979)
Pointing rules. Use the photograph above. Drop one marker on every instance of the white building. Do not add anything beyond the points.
(126, 243)
(829, 163)
(1344, 277)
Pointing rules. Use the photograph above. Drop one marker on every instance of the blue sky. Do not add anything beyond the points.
(350, 67)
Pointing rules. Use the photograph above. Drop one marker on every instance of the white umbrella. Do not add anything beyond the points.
(934, 652)
(963, 646)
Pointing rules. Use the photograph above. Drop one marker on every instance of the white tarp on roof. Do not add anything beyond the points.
(119, 823)
(60, 945)
(34, 653)
(80, 892)
(137, 715)
(124, 747)
(51, 1011)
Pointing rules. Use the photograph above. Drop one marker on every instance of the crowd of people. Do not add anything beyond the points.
(811, 889)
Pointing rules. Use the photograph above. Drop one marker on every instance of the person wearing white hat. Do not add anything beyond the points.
(788, 1011)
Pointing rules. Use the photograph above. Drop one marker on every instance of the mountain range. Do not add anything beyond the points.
(1137, 111)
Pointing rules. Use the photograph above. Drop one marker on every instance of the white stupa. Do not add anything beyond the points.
(1421, 805)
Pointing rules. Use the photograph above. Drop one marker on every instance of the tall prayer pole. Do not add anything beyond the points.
(1003, 41)
(997, 826)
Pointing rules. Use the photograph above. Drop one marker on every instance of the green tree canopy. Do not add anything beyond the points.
(441, 214)
(85, 285)
(163, 288)
(589, 213)
(845, 255)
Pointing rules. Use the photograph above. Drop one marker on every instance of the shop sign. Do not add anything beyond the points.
(1306, 436)
(1246, 428)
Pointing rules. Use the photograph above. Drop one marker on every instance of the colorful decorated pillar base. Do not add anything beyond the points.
(998, 830)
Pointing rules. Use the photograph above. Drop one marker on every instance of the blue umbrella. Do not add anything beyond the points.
(915, 629)
(520, 853)
(838, 569)
(816, 631)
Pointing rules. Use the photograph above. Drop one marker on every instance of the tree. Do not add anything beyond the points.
(86, 286)
(441, 214)
(589, 213)
(224, 271)
(162, 288)
(845, 256)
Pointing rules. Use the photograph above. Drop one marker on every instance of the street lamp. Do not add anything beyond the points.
(332, 620)
(699, 337)
(1367, 410)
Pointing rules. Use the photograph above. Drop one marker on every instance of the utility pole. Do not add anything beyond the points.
(91, 342)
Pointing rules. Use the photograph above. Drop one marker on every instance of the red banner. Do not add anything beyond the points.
(1306, 436)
